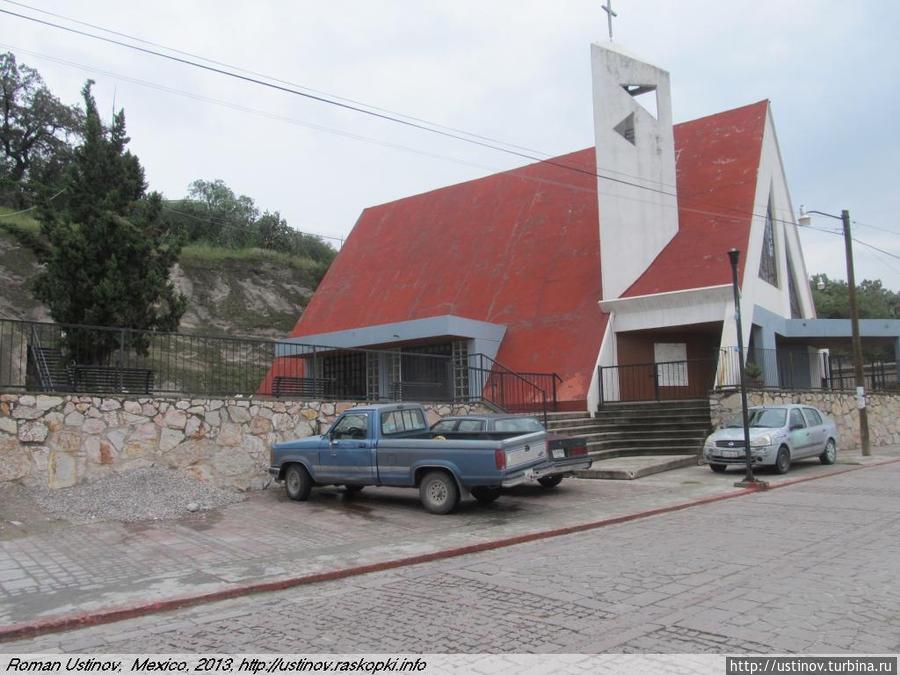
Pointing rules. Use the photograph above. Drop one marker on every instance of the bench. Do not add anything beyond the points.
(109, 379)
(302, 387)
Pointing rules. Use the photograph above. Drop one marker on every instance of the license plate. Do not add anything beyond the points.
(732, 453)
(559, 453)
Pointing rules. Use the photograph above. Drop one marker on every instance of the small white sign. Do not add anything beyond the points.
(671, 368)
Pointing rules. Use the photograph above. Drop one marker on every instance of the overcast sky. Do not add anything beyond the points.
(518, 71)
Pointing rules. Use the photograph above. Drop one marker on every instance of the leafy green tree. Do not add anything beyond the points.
(36, 131)
(874, 302)
(273, 232)
(224, 217)
(214, 213)
(833, 299)
(110, 249)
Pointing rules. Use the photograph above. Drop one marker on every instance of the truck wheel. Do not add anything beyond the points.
(550, 481)
(438, 492)
(486, 495)
(297, 482)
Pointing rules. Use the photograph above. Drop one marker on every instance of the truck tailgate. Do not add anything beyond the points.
(522, 451)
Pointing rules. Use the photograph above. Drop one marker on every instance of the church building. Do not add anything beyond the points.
(605, 269)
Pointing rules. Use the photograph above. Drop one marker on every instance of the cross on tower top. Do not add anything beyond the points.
(610, 14)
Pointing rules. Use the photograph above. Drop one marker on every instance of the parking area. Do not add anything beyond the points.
(52, 568)
(811, 568)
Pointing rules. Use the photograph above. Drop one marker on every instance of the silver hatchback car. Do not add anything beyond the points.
(779, 434)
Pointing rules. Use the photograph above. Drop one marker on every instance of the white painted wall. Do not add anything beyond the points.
(605, 357)
(664, 310)
(635, 223)
(772, 183)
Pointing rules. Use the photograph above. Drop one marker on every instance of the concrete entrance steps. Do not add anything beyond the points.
(664, 428)
(630, 468)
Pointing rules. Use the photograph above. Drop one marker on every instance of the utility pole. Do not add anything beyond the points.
(857, 342)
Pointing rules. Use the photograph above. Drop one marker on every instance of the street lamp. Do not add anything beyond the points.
(805, 219)
(749, 479)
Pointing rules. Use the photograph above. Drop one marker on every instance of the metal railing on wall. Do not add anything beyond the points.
(60, 358)
(513, 391)
(797, 369)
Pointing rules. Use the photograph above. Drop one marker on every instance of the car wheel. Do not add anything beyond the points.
(829, 455)
(486, 495)
(783, 460)
(297, 482)
(718, 468)
(550, 481)
(438, 492)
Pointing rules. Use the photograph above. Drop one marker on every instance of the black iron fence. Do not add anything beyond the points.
(673, 380)
(798, 369)
(512, 391)
(878, 375)
(49, 357)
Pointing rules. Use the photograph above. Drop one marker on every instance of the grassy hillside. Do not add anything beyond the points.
(249, 292)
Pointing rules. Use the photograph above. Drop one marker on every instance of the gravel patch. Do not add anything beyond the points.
(143, 494)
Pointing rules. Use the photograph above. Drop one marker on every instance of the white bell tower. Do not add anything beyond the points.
(636, 159)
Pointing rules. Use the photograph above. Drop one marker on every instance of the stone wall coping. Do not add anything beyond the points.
(60, 440)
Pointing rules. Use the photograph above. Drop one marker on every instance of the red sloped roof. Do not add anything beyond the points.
(717, 161)
(519, 248)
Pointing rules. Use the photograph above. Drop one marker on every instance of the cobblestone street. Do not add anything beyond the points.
(812, 567)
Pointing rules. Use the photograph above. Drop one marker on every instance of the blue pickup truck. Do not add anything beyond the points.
(392, 445)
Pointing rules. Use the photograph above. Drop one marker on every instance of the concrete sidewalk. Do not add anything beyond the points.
(51, 569)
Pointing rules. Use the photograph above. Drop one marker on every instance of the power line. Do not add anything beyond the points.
(340, 104)
(269, 77)
(306, 88)
(380, 115)
(211, 219)
(398, 118)
(875, 227)
(253, 111)
(30, 208)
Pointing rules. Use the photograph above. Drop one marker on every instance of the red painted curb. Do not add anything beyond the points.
(112, 614)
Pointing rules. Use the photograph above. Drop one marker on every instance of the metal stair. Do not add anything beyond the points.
(48, 366)
(635, 429)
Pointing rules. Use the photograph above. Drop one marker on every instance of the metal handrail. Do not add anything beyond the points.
(37, 352)
(494, 368)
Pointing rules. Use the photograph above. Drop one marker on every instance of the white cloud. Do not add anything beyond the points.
(518, 71)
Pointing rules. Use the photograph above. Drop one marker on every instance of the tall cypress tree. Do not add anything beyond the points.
(110, 249)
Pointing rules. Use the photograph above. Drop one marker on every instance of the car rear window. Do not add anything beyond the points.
(524, 424)
(403, 422)
(444, 425)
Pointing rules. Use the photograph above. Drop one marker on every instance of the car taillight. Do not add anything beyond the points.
(500, 458)
(578, 450)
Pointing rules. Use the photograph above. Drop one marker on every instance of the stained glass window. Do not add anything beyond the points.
(768, 263)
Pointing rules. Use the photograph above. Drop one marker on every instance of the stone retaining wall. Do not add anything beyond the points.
(63, 440)
(883, 411)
